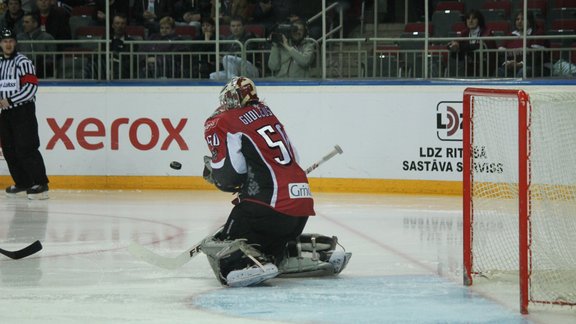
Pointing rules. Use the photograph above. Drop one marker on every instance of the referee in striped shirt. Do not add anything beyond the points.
(18, 124)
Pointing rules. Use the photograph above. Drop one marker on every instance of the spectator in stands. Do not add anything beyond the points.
(12, 17)
(292, 57)
(308, 9)
(232, 63)
(148, 12)
(418, 9)
(116, 7)
(465, 54)
(28, 5)
(63, 5)
(53, 20)
(40, 53)
(191, 12)
(205, 63)
(271, 12)
(234, 8)
(168, 64)
(513, 65)
(120, 63)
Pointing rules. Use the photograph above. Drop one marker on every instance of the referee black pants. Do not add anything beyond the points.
(20, 144)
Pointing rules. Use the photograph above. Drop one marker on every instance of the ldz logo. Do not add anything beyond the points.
(449, 120)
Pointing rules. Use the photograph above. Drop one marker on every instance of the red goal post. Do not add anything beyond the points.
(519, 186)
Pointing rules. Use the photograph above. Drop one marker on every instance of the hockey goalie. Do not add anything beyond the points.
(251, 155)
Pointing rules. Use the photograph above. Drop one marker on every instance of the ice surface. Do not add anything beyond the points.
(406, 264)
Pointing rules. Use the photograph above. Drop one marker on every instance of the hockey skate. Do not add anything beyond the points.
(14, 191)
(251, 276)
(38, 192)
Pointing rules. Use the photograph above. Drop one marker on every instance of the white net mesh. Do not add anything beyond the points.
(495, 189)
(553, 192)
(553, 196)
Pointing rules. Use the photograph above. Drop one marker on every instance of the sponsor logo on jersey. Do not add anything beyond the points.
(8, 85)
(299, 190)
(210, 124)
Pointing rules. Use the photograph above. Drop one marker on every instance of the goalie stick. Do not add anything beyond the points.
(142, 253)
(22, 253)
(171, 263)
(335, 151)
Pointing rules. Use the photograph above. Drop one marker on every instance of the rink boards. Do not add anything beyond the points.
(403, 137)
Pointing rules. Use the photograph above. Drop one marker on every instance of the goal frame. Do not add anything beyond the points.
(524, 228)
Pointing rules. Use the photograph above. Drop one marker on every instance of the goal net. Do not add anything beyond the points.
(520, 191)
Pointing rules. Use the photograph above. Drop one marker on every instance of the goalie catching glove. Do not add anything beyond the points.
(207, 173)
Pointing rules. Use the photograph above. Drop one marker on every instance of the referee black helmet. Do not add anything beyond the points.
(7, 33)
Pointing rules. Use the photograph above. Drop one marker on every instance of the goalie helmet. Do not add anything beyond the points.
(238, 93)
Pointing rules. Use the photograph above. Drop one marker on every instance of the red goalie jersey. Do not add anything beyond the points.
(252, 155)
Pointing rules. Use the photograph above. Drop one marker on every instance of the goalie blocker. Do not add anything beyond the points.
(239, 264)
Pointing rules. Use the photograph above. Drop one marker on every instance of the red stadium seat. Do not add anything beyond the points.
(450, 5)
(500, 28)
(539, 7)
(224, 31)
(256, 29)
(418, 27)
(564, 4)
(504, 5)
(90, 32)
(566, 24)
(186, 31)
(458, 27)
(136, 31)
(84, 10)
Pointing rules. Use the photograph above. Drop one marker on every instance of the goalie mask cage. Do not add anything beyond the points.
(520, 191)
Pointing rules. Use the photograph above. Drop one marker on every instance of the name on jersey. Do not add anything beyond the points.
(8, 85)
(254, 114)
(299, 190)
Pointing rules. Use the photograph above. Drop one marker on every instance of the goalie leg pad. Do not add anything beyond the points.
(316, 242)
(313, 255)
(238, 264)
(211, 246)
(339, 260)
(304, 267)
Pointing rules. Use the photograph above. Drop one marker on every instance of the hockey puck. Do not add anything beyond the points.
(176, 165)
